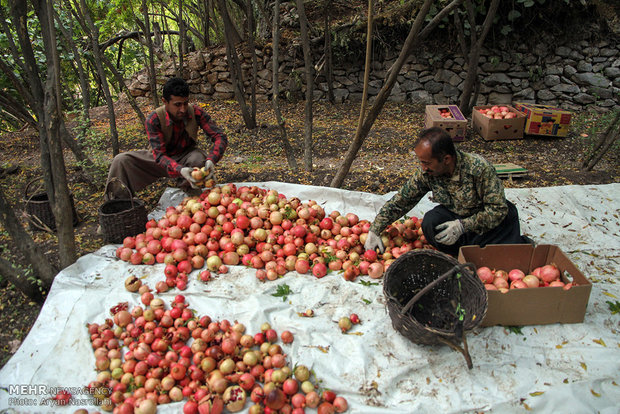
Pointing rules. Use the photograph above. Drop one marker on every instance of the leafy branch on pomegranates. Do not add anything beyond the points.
(613, 307)
(282, 291)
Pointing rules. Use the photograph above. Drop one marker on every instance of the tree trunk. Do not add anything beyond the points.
(235, 67)
(82, 75)
(611, 135)
(309, 72)
(329, 72)
(94, 35)
(475, 49)
(172, 49)
(206, 23)
(412, 39)
(263, 28)
(183, 39)
(43, 269)
(123, 87)
(56, 182)
(250, 15)
(42, 102)
(19, 278)
(275, 87)
(366, 65)
(151, 52)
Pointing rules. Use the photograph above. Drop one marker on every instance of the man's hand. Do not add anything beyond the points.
(210, 167)
(452, 230)
(374, 242)
(186, 172)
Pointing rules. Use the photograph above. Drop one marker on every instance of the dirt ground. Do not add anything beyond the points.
(382, 165)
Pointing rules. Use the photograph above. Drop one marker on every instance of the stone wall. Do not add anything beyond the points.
(572, 76)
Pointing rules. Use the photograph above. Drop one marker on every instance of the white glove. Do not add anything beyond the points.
(452, 230)
(374, 242)
(210, 167)
(186, 172)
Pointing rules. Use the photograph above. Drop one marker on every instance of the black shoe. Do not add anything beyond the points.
(527, 240)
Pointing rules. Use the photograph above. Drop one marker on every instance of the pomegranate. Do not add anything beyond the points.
(549, 273)
(275, 399)
(485, 274)
(234, 398)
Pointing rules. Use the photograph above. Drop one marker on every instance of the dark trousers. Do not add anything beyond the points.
(507, 232)
(138, 169)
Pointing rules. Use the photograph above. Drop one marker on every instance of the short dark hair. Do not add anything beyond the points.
(440, 141)
(176, 87)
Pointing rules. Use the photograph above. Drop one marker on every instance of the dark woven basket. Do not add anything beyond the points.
(38, 210)
(120, 218)
(433, 299)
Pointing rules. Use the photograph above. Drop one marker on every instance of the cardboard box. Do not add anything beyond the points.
(492, 129)
(532, 306)
(544, 119)
(456, 126)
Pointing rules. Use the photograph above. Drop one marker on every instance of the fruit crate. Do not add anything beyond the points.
(544, 119)
(509, 126)
(448, 117)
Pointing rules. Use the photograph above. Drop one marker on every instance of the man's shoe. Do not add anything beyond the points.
(527, 240)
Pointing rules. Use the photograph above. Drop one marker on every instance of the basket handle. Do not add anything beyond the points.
(105, 191)
(34, 220)
(26, 197)
(428, 287)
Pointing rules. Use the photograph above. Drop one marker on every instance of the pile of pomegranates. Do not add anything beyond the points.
(542, 276)
(498, 112)
(156, 354)
(262, 229)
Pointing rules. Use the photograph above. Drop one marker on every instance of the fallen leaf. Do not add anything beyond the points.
(611, 295)
(596, 394)
(600, 342)
(584, 366)
(537, 393)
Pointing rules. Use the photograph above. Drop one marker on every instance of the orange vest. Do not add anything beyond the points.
(191, 125)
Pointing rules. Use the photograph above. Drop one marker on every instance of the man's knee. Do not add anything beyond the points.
(196, 159)
(433, 218)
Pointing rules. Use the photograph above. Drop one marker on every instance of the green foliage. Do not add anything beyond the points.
(95, 145)
(515, 330)
(613, 307)
(282, 292)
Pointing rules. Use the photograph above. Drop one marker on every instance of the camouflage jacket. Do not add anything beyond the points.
(474, 192)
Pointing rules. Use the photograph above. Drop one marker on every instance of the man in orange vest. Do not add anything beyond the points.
(172, 131)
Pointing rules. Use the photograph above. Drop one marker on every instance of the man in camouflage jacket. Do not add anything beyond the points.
(472, 207)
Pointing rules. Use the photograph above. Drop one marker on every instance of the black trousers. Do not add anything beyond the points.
(507, 232)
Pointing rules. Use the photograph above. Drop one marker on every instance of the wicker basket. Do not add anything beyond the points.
(38, 210)
(120, 218)
(432, 299)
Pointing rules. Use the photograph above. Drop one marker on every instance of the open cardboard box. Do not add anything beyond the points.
(533, 306)
(456, 126)
(493, 129)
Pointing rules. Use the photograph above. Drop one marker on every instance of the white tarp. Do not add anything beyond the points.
(572, 368)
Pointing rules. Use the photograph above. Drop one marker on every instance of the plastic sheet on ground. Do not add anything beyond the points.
(571, 368)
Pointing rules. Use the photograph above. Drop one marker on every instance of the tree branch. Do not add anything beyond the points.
(135, 35)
